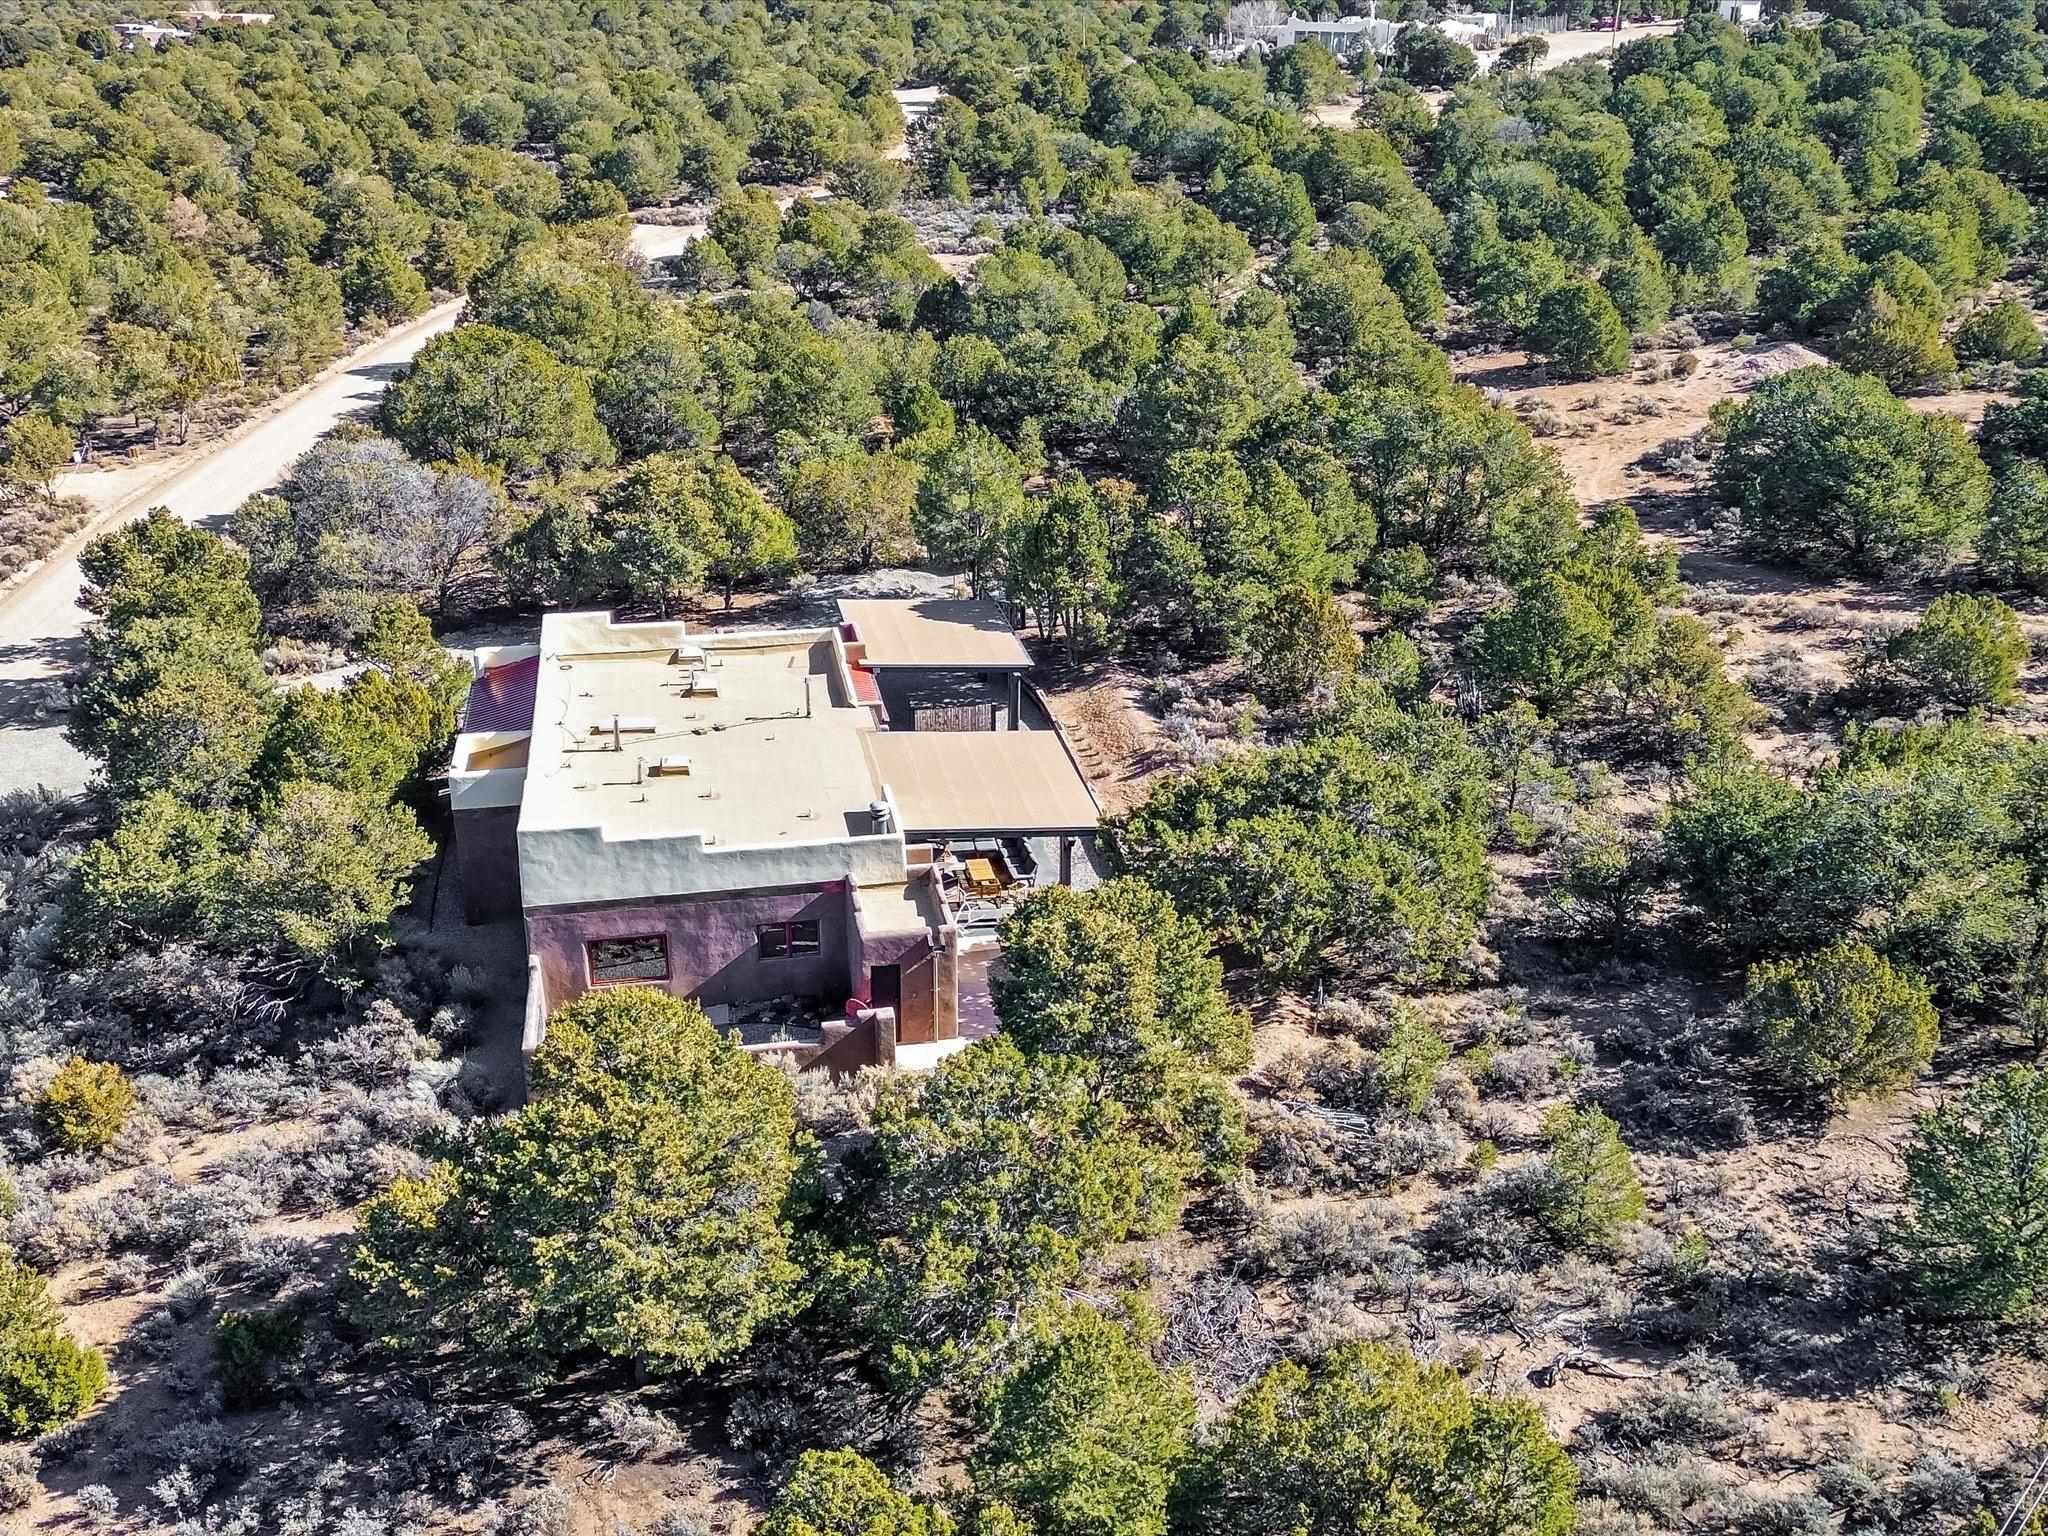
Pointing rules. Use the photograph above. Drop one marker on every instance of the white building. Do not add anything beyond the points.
(149, 33)
(1744, 13)
(1347, 35)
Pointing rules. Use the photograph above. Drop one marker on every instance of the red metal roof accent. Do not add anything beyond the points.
(866, 689)
(502, 698)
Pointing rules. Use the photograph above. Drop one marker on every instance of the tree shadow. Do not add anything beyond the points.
(28, 703)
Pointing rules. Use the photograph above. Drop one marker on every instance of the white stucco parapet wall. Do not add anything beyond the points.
(620, 851)
(580, 864)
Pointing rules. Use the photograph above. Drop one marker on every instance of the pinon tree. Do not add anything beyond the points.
(1343, 850)
(1841, 1023)
(633, 1209)
(1965, 653)
(162, 568)
(1085, 1435)
(971, 494)
(1304, 646)
(1058, 566)
(1370, 1439)
(46, 1379)
(1977, 1191)
(1594, 1190)
(842, 1493)
(1122, 982)
(1582, 333)
(1829, 470)
(992, 1181)
(500, 397)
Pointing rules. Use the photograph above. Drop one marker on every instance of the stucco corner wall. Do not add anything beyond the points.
(712, 950)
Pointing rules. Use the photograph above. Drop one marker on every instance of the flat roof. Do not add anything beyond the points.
(959, 783)
(908, 906)
(774, 754)
(935, 632)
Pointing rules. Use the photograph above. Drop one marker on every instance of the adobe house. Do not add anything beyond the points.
(813, 832)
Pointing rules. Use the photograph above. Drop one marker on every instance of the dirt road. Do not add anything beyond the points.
(1565, 48)
(1569, 47)
(41, 624)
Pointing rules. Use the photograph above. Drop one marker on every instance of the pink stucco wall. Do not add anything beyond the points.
(711, 944)
(911, 952)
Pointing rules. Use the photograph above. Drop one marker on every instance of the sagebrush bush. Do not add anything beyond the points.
(85, 1105)
(1665, 1484)
(637, 1430)
(1696, 1415)
(19, 1484)
(1857, 1482)
(1518, 1072)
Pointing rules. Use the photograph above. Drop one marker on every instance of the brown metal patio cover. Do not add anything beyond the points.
(982, 783)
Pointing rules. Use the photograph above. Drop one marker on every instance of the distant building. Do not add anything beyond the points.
(1470, 29)
(152, 34)
(1744, 13)
(1346, 35)
(814, 832)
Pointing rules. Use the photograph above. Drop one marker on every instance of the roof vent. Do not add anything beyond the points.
(884, 817)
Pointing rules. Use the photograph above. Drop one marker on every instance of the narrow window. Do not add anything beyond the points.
(639, 959)
(784, 941)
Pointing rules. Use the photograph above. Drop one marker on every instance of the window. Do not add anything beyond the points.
(615, 960)
(787, 941)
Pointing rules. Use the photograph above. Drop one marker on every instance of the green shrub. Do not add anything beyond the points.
(2015, 547)
(1966, 653)
(1411, 1061)
(842, 1493)
(2002, 333)
(45, 1378)
(1085, 1434)
(1581, 332)
(1841, 1023)
(1596, 1192)
(1368, 1439)
(1305, 646)
(252, 1350)
(1976, 1185)
(526, 1245)
(1829, 470)
(1394, 662)
(1401, 582)
(85, 1105)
